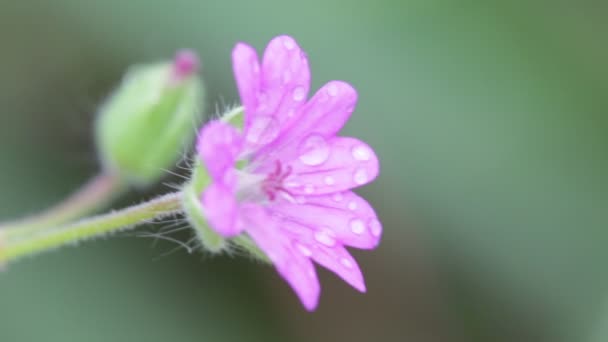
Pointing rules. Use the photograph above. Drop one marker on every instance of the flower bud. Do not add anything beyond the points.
(143, 127)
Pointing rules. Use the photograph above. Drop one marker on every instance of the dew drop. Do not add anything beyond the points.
(292, 184)
(329, 180)
(324, 238)
(375, 227)
(360, 177)
(314, 150)
(304, 250)
(338, 197)
(309, 189)
(352, 205)
(346, 263)
(361, 153)
(263, 129)
(288, 43)
(299, 93)
(288, 197)
(357, 226)
(332, 90)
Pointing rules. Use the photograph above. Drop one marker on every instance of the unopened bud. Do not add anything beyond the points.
(143, 127)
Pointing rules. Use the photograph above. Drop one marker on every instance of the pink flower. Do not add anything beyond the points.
(292, 196)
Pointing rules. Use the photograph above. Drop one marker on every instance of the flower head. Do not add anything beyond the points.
(292, 196)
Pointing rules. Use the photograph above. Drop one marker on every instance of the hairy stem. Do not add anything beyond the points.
(16, 243)
(95, 194)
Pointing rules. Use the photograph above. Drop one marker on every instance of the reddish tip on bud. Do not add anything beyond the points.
(185, 64)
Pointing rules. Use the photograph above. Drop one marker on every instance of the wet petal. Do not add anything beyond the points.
(336, 259)
(329, 166)
(293, 266)
(246, 68)
(286, 78)
(343, 218)
(285, 81)
(324, 115)
(218, 146)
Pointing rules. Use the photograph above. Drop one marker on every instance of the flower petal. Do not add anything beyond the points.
(285, 78)
(218, 145)
(343, 218)
(221, 210)
(324, 115)
(293, 266)
(329, 166)
(246, 68)
(336, 259)
(285, 81)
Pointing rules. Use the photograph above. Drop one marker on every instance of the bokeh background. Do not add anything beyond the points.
(490, 119)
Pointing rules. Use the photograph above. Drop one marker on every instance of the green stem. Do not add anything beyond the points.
(95, 194)
(15, 243)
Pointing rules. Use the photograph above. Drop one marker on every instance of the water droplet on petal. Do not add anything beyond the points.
(304, 250)
(287, 197)
(329, 180)
(346, 263)
(309, 189)
(338, 197)
(288, 43)
(263, 130)
(292, 184)
(357, 226)
(314, 150)
(375, 227)
(325, 238)
(361, 153)
(332, 89)
(299, 93)
(360, 177)
(352, 205)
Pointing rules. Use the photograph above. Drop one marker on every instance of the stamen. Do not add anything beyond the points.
(274, 182)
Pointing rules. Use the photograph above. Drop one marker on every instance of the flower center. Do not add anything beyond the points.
(258, 187)
(273, 183)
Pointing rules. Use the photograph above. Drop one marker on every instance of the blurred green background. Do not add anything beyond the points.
(490, 120)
